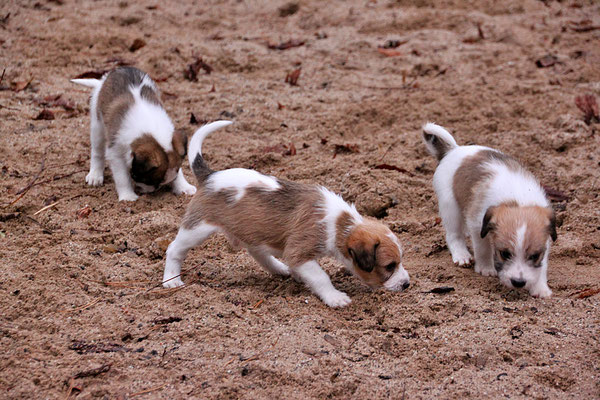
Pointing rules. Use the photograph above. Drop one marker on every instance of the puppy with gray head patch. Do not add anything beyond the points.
(130, 126)
(296, 222)
(490, 196)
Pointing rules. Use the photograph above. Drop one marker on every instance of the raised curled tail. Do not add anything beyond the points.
(195, 158)
(93, 83)
(437, 140)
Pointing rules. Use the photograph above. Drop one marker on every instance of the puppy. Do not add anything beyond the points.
(130, 126)
(296, 222)
(490, 196)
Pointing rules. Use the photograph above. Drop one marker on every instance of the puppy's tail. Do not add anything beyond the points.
(437, 140)
(197, 164)
(92, 83)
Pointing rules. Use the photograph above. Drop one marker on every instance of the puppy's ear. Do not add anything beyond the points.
(488, 225)
(364, 257)
(180, 141)
(552, 226)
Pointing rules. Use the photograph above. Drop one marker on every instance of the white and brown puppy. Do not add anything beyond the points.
(131, 128)
(296, 222)
(490, 196)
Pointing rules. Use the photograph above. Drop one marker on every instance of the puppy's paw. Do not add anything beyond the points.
(336, 299)
(485, 271)
(128, 197)
(464, 260)
(184, 188)
(95, 178)
(541, 291)
(173, 283)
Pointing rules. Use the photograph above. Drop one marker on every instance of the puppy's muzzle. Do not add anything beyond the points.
(398, 281)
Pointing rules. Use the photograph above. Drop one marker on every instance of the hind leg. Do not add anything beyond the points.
(268, 262)
(98, 147)
(452, 220)
(186, 239)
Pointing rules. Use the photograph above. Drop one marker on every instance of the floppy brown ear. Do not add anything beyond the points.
(363, 257)
(552, 227)
(487, 224)
(180, 140)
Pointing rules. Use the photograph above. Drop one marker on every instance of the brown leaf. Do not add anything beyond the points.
(97, 74)
(212, 89)
(280, 106)
(546, 61)
(583, 294)
(291, 151)
(292, 77)
(191, 73)
(288, 9)
(582, 26)
(587, 103)
(55, 101)
(393, 168)
(345, 149)
(45, 114)
(389, 52)
(554, 194)
(84, 212)
(137, 44)
(82, 347)
(93, 371)
(21, 85)
(392, 44)
(281, 149)
(286, 45)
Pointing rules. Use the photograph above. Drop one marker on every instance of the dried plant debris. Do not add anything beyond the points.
(345, 149)
(584, 294)
(137, 44)
(392, 44)
(288, 9)
(83, 347)
(546, 61)
(393, 168)
(585, 25)
(292, 77)
(84, 212)
(281, 149)
(441, 290)
(389, 52)
(587, 103)
(45, 114)
(286, 45)
(93, 372)
(55, 101)
(191, 73)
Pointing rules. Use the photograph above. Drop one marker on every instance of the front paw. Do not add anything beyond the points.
(95, 178)
(485, 270)
(128, 197)
(541, 291)
(336, 299)
(172, 283)
(185, 188)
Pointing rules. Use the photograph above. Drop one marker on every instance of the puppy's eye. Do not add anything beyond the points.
(390, 267)
(535, 257)
(505, 254)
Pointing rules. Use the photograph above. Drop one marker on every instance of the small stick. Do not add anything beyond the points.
(2, 77)
(148, 390)
(23, 191)
(258, 303)
(58, 177)
(45, 208)
(229, 362)
(88, 305)
(44, 229)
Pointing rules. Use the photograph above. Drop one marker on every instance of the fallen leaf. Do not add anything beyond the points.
(331, 340)
(583, 294)
(291, 151)
(292, 77)
(587, 103)
(582, 26)
(84, 212)
(93, 372)
(441, 290)
(392, 44)
(546, 61)
(82, 347)
(280, 106)
(286, 45)
(345, 149)
(97, 74)
(191, 73)
(288, 9)
(389, 52)
(137, 44)
(393, 168)
(45, 114)
(212, 89)
(21, 85)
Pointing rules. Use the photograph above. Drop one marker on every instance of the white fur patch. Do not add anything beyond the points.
(334, 205)
(397, 280)
(146, 118)
(239, 179)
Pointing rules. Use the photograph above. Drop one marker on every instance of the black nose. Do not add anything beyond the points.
(517, 283)
(405, 285)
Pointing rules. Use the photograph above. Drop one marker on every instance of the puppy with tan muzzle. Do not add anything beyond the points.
(298, 223)
(492, 198)
(131, 129)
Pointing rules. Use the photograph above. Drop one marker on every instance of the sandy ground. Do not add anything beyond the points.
(80, 313)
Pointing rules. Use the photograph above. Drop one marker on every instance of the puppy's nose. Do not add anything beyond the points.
(517, 283)
(405, 285)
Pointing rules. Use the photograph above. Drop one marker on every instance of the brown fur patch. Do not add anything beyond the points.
(150, 161)
(472, 175)
(115, 99)
(507, 218)
(286, 220)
